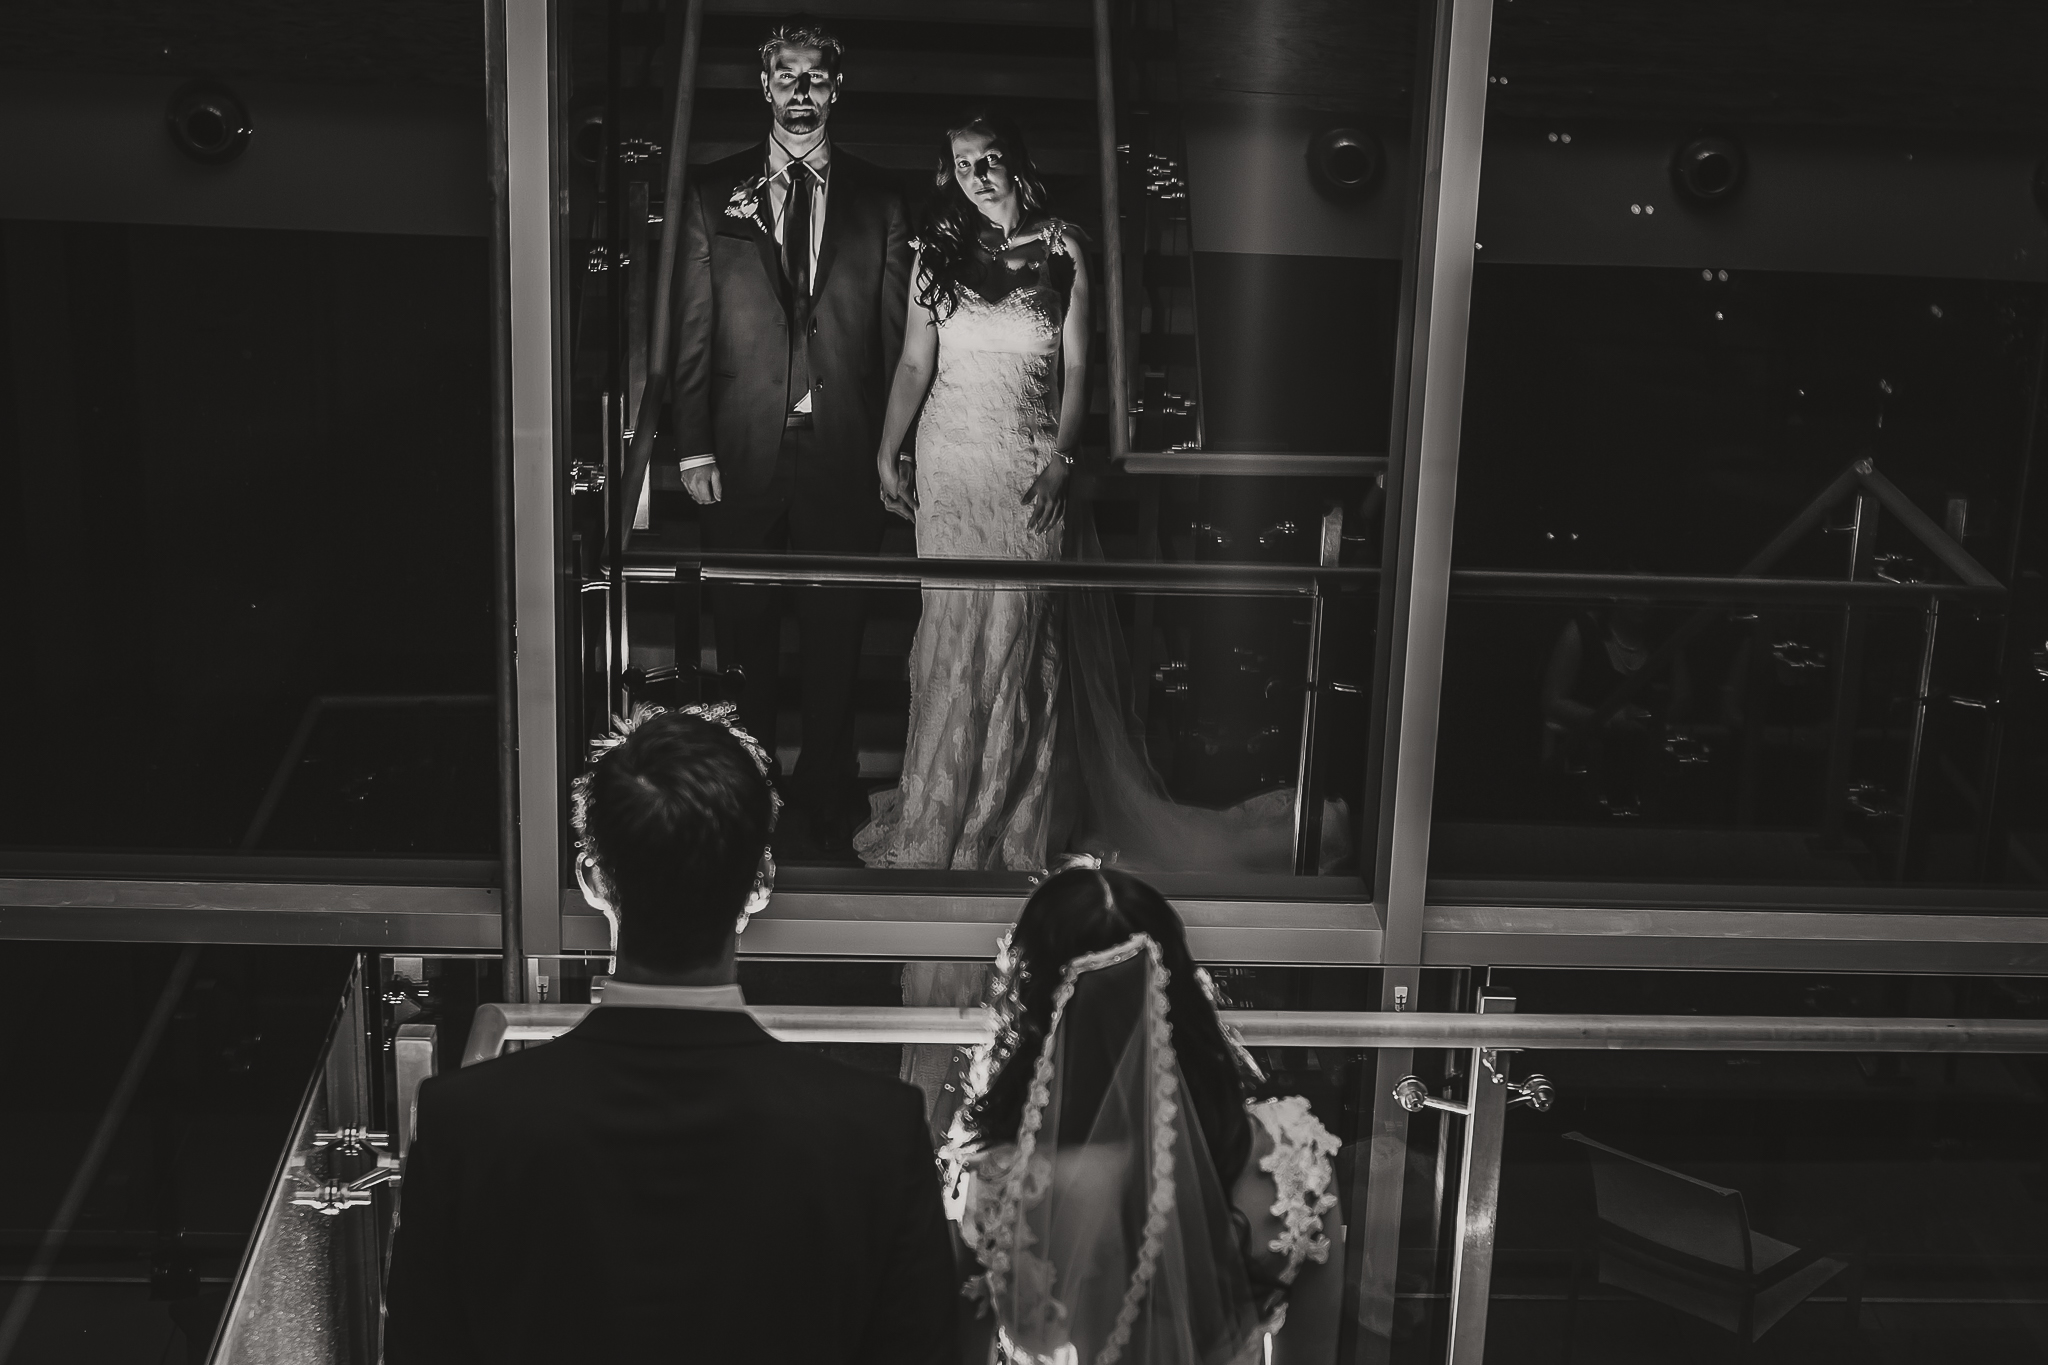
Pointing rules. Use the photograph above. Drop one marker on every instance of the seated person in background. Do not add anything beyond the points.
(1597, 652)
(1123, 1197)
(666, 1181)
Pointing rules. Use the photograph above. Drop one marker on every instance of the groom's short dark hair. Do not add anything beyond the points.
(800, 30)
(676, 816)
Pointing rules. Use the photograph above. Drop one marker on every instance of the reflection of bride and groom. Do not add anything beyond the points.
(801, 274)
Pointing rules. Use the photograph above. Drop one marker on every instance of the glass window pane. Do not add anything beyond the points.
(192, 1062)
(245, 436)
(1262, 225)
(1786, 322)
(1898, 1198)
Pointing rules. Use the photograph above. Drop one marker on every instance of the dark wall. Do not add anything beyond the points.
(1297, 351)
(242, 469)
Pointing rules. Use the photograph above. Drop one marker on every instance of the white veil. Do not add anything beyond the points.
(1108, 1239)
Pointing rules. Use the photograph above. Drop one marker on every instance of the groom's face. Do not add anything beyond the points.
(800, 89)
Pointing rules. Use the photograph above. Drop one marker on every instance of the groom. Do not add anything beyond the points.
(797, 264)
(666, 1181)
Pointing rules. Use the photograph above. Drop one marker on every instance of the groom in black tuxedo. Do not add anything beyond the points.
(796, 266)
(666, 1181)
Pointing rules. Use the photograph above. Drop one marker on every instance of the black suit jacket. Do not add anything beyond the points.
(731, 382)
(670, 1185)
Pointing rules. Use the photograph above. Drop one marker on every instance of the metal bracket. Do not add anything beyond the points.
(1537, 1092)
(352, 1141)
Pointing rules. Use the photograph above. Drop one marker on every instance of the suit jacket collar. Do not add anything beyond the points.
(670, 1028)
(846, 177)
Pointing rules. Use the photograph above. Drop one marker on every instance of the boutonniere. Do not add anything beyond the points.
(745, 203)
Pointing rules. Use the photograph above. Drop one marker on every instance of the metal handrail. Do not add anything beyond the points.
(496, 1025)
(1115, 321)
(1519, 583)
(658, 565)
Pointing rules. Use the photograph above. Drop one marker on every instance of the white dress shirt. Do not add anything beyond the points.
(779, 159)
(641, 996)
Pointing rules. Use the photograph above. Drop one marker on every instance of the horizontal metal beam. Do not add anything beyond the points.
(1875, 929)
(1726, 938)
(965, 926)
(495, 1025)
(376, 917)
(1566, 587)
(1265, 464)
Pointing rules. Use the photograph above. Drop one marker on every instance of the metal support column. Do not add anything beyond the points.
(1116, 317)
(1478, 1200)
(1421, 500)
(1848, 670)
(504, 500)
(531, 221)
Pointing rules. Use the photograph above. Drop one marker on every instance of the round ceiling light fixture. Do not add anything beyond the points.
(208, 123)
(1345, 163)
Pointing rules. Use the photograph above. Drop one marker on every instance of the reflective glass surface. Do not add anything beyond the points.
(150, 1091)
(1263, 219)
(1746, 306)
(1890, 1206)
(244, 432)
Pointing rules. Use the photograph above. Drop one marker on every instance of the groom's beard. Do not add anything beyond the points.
(801, 119)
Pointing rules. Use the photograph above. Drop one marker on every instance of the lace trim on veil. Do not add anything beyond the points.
(1028, 1178)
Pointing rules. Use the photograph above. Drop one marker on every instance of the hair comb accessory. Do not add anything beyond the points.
(1067, 862)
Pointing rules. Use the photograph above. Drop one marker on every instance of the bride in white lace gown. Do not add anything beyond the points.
(995, 353)
(1023, 743)
(1125, 1202)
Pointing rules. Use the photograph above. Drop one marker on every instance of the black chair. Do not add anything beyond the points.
(1688, 1245)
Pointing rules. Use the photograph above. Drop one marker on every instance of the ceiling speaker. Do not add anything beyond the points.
(1709, 170)
(1345, 163)
(208, 123)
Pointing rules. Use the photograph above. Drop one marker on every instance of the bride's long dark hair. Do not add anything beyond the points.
(951, 230)
(1085, 910)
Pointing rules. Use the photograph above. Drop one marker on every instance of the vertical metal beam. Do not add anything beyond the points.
(1308, 774)
(531, 218)
(1478, 1203)
(1115, 321)
(1373, 1242)
(1848, 672)
(1429, 466)
(1421, 500)
(504, 498)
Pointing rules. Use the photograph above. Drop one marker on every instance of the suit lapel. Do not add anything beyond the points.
(763, 223)
(840, 193)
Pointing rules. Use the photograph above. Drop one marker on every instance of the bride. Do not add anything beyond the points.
(1023, 741)
(1123, 1199)
(995, 353)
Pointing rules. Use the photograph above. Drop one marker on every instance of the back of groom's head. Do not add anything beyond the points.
(676, 817)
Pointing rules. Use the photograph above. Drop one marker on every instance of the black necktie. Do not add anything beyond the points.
(796, 230)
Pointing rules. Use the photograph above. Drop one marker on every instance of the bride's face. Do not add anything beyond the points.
(982, 172)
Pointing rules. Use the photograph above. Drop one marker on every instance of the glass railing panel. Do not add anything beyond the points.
(1194, 764)
(311, 1285)
(1886, 1204)
(145, 1116)
(1683, 361)
(247, 448)
(1774, 742)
